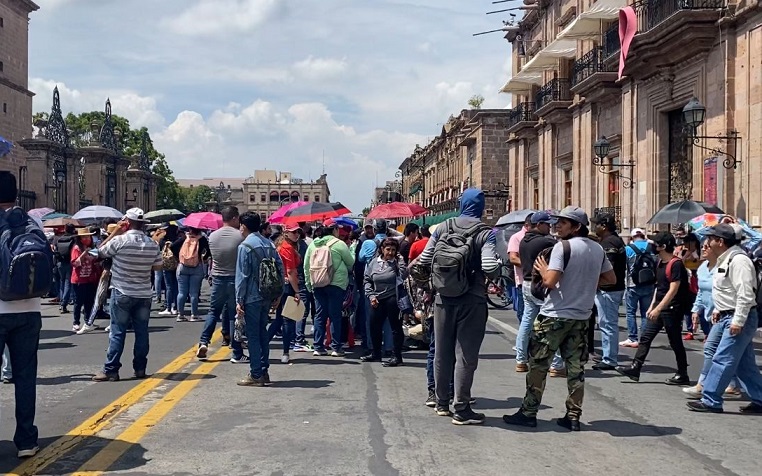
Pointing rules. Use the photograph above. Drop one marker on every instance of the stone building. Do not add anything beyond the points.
(15, 97)
(470, 151)
(390, 192)
(572, 84)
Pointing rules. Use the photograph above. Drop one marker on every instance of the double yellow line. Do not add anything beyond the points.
(102, 460)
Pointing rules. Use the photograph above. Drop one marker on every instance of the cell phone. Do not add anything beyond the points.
(93, 253)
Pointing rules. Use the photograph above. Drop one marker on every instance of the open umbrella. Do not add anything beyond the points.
(682, 212)
(95, 213)
(160, 216)
(61, 222)
(518, 216)
(342, 221)
(314, 211)
(203, 221)
(53, 215)
(396, 210)
(277, 216)
(39, 212)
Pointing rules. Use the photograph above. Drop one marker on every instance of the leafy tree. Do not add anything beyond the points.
(476, 101)
(365, 211)
(195, 198)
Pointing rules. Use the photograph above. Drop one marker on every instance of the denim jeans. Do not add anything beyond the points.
(531, 309)
(387, 334)
(517, 295)
(64, 271)
(256, 330)
(127, 312)
(638, 296)
(170, 281)
(221, 307)
(309, 300)
(84, 300)
(158, 281)
(711, 343)
(734, 357)
(189, 286)
(287, 325)
(360, 315)
(6, 371)
(608, 303)
(21, 333)
(705, 320)
(328, 301)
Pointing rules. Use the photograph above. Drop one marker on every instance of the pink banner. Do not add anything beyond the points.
(710, 181)
(628, 26)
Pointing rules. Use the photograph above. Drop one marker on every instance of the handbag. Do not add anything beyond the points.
(403, 298)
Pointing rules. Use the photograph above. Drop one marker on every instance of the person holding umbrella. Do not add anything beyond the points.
(85, 273)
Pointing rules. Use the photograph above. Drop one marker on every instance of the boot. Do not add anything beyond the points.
(632, 372)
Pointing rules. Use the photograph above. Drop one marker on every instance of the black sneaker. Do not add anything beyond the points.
(225, 341)
(266, 377)
(633, 373)
(431, 402)
(751, 408)
(699, 406)
(519, 419)
(568, 423)
(443, 410)
(140, 374)
(678, 379)
(467, 417)
(603, 366)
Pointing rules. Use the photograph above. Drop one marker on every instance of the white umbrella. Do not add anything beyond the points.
(96, 213)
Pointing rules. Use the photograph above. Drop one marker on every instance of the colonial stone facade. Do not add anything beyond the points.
(470, 151)
(567, 93)
(15, 98)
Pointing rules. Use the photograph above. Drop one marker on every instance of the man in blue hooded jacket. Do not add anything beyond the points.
(460, 321)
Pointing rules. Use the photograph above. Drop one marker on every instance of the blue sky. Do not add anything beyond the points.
(230, 86)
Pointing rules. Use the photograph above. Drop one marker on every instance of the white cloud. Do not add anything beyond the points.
(320, 68)
(209, 17)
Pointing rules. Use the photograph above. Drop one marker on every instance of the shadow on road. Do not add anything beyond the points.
(303, 384)
(64, 379)
(180, 376)
(510, 403)
(55, 345)
(54, 333)
(622, 428)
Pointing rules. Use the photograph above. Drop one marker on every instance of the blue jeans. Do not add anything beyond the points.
(328, 301)
(531, 309)
(638, 296)
(189, 286)
(517, 295)
(158, 281)
(608, 303)
(221, 307)
(256, 330)
(734, 357)
(21, 333)
(359, 323)
(287, 325)
(64, 271)
(309, 300)
(170, 281)
(127, 312)
(711, 343)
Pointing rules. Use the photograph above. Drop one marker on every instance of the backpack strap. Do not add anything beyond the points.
(669, 267)
(567, 252)
(637, 250)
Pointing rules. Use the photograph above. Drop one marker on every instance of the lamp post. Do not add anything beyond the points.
(134, 195)
(694, 114)
(601, 148)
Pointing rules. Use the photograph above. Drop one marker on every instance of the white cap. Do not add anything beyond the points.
(637, 231)
(135, 214)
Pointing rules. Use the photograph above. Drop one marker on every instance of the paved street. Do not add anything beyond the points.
(341, 417)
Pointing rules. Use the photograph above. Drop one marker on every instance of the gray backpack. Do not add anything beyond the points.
(454, 264)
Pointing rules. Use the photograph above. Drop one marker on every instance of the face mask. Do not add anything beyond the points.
(87, 241)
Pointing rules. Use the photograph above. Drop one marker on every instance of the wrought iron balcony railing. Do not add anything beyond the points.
(524, 112)
(651, 13)
(589, 64)
(557, 89)
(611, 44)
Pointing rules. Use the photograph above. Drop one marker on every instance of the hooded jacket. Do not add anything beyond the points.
(341, 259)
(531, 246)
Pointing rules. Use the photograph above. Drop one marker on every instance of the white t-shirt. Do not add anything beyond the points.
(23, 305)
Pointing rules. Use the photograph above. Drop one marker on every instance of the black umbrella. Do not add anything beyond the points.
(518, 216)
(682, 212)
(502, 236)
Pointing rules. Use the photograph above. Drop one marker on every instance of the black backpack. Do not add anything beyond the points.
(643, 268)
(539, 290)
(63, 247)
(26, 260)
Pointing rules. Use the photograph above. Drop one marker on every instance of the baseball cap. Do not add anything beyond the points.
(637, 232)
(380, 225)
(575, 214)
(292, 227)
(604, 218)
(134, 214)
(664, 238)
(723, 230)
(542, 217)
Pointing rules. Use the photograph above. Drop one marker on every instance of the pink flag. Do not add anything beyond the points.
(628, 26)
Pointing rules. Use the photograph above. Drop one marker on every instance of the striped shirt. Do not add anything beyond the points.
(133, 254)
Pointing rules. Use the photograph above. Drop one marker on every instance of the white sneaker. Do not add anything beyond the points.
(692, 392)
(243, 360)
(174, 312)
(195, 319)
(28, 453)
(165, 312)
(108, 329)
(284, 359)
(628, 343)
(181, 319)
(75, 328)
(86, 329)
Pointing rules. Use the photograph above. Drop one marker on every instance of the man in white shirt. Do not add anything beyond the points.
(735, 299)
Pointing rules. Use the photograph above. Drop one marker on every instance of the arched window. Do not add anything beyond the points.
(274, 196)
(294, 196)
(284, 195)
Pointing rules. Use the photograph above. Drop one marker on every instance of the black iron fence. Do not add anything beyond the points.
(651, 13)
(524, 112)
(588, 64)
(26, 199)
(84, 203)
(557, 89)
(611, 44)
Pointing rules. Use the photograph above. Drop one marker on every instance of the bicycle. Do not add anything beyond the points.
(498, 294)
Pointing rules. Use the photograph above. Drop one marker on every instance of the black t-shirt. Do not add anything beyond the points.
(615, 252)
(405, 250)
(530, 247)
(677, 273)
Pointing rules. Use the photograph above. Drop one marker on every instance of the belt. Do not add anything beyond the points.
(728, 312)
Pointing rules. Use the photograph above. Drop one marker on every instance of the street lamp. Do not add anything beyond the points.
(694, 114)
(602, 148)
(134, 195)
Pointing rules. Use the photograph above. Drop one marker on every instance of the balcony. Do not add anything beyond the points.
(553, 100)
(670, 32)
(611, 44)
(592, 76)
(522, 118)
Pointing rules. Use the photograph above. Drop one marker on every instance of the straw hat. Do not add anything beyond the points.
(110, 229)
(84, 232)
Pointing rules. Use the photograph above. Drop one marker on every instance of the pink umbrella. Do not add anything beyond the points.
(277, 216)
(203, 221)
(39, 212)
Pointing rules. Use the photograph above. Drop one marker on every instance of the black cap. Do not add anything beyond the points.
(664, 238)
(604, 218)
(723, 230)
(8, 190)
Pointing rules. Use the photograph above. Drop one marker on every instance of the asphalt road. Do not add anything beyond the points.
(341, 417)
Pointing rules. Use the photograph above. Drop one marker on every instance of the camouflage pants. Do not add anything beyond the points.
(570, 338)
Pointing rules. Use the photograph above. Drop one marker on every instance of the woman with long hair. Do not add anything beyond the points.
(169, 259)
(287, 244)
(85, 274)
(192, 249)
(381, 274)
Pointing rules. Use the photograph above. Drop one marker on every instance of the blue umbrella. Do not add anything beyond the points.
(5, 146)
(343, 221)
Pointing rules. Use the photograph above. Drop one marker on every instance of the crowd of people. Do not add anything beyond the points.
(365, 284)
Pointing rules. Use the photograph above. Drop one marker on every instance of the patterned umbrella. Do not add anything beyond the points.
(702, 222)
(314, 211)
(396, 210)
(203, 221)
(39, 212)
(277, 216)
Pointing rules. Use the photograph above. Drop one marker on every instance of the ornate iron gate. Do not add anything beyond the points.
(680, 160)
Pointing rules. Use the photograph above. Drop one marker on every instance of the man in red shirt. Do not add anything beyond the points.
(289, 254)
(418, 246)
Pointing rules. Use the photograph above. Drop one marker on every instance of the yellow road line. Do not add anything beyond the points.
(106, 457)
(103, 417)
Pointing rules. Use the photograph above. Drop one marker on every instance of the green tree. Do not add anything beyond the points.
(195, 198)
(365, 211)
(476, 101)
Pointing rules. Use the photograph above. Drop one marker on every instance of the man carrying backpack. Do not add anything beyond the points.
(63, 245)
(20, 308)
(641, 277)
(460, 253)
(326, 272)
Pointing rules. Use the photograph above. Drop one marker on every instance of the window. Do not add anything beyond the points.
(2, 22)
(317, 198)
(613, 186)
(1, 65)
(306, 198)
(5, 107)
(263, 198)
(252, 197)
(263, 217)
(567, 188)
(535, 193)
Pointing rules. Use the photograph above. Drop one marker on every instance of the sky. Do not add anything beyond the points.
(227, 87)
